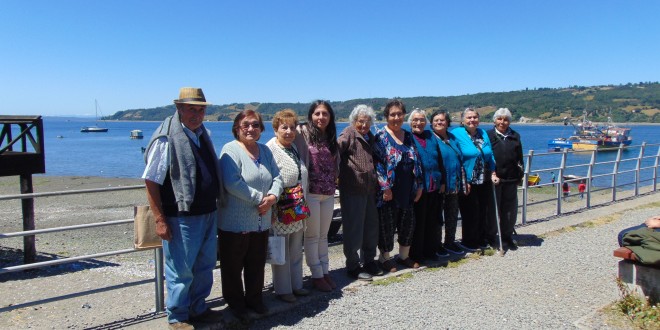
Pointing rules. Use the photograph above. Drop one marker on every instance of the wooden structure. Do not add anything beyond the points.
(22, 154)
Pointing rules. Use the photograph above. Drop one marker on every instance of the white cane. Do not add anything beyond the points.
(497, 221)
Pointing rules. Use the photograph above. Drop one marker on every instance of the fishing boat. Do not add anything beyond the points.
(136, 134)
(96, 128)
(588, 137)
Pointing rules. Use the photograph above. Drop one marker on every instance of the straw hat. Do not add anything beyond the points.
(191, 95)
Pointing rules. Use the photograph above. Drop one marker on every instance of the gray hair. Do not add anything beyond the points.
(468, 109)
(417, 111)
(362, 110)
(502, 112)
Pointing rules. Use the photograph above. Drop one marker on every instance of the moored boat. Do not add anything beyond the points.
(136, 134)
(96, 128)
(589, 137)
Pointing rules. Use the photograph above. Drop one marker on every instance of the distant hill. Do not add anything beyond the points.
(624, 103)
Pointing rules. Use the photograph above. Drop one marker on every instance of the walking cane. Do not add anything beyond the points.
(497, 221)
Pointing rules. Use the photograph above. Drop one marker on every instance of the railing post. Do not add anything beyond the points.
(562, 168)
(160, 287)
(638, 169)
(27, 204)
(655, 170)
(528, 168)
(590, 173)
(615, 171)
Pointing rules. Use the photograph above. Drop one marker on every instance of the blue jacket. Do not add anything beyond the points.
(432, 168)
(471, 152)
(452, 159)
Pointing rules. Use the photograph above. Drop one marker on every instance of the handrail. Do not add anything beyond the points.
(68, 192)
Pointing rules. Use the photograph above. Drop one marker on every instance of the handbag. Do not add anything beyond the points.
(292, 206)
(275, 255)
(144, 229)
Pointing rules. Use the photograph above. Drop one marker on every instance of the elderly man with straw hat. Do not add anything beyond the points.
(183, 183)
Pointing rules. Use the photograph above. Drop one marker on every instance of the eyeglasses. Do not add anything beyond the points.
(418, 120)
(254, 125)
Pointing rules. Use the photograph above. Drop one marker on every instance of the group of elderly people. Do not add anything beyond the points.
(396, 181)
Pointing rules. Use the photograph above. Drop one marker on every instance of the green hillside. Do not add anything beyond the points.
(626, 103)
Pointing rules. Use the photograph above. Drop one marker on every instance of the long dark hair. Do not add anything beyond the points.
(315, 135)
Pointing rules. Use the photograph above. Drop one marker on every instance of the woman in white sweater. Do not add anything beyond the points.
(288, 278)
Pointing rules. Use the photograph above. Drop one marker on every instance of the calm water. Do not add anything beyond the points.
(114, 154)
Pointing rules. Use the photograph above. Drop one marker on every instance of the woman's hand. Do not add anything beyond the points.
(494, 178)
(418, 195)
(162, 229)
(387, 195)
(469, 188)
(266, 203)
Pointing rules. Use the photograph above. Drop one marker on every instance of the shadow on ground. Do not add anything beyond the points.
(14, 257)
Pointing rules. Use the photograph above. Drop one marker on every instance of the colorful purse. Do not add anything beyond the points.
(292, 206)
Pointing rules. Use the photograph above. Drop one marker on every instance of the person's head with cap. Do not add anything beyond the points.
(191, 106)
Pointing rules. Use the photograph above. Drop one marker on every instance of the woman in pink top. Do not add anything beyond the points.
(317, 143)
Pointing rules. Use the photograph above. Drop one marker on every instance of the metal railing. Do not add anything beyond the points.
(641, 170)
(158, 252)
(590, 171)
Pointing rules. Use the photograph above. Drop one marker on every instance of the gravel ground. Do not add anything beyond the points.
(556, 280)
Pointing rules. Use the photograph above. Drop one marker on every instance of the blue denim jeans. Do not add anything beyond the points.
(190, 257)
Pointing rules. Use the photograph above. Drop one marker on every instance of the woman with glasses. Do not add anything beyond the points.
(317, 143)
(425, 237)
(253, 183)
(400, 180)
(452, 159)
(358, 185)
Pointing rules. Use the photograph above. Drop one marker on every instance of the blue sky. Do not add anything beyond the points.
(58, 56)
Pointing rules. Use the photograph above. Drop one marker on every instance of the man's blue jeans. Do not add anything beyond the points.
(190, 257)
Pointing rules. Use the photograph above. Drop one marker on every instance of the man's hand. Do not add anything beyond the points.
(162, 229)
(653, 222)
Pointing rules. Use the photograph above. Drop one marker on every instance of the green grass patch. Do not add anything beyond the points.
(457, 263)
(640, 312)
(393, 279)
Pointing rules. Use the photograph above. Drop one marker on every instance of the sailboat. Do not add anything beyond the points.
(95, 128)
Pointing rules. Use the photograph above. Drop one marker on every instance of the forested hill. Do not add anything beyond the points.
(624, 103)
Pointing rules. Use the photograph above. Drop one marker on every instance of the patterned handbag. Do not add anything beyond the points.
(292, 206)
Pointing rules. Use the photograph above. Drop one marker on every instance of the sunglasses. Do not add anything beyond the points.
(254, 125)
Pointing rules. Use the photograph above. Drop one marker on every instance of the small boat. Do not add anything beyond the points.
(533, 179)
(136, 134)
(95, 128)
(560, 144)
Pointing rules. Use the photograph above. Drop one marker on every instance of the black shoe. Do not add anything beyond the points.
(442, 252)
(208, 316)
(259, 309)
(468, 248)
(453, 248)
(373, 269)
(241, 315)
(359, 274)
(511, 244)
